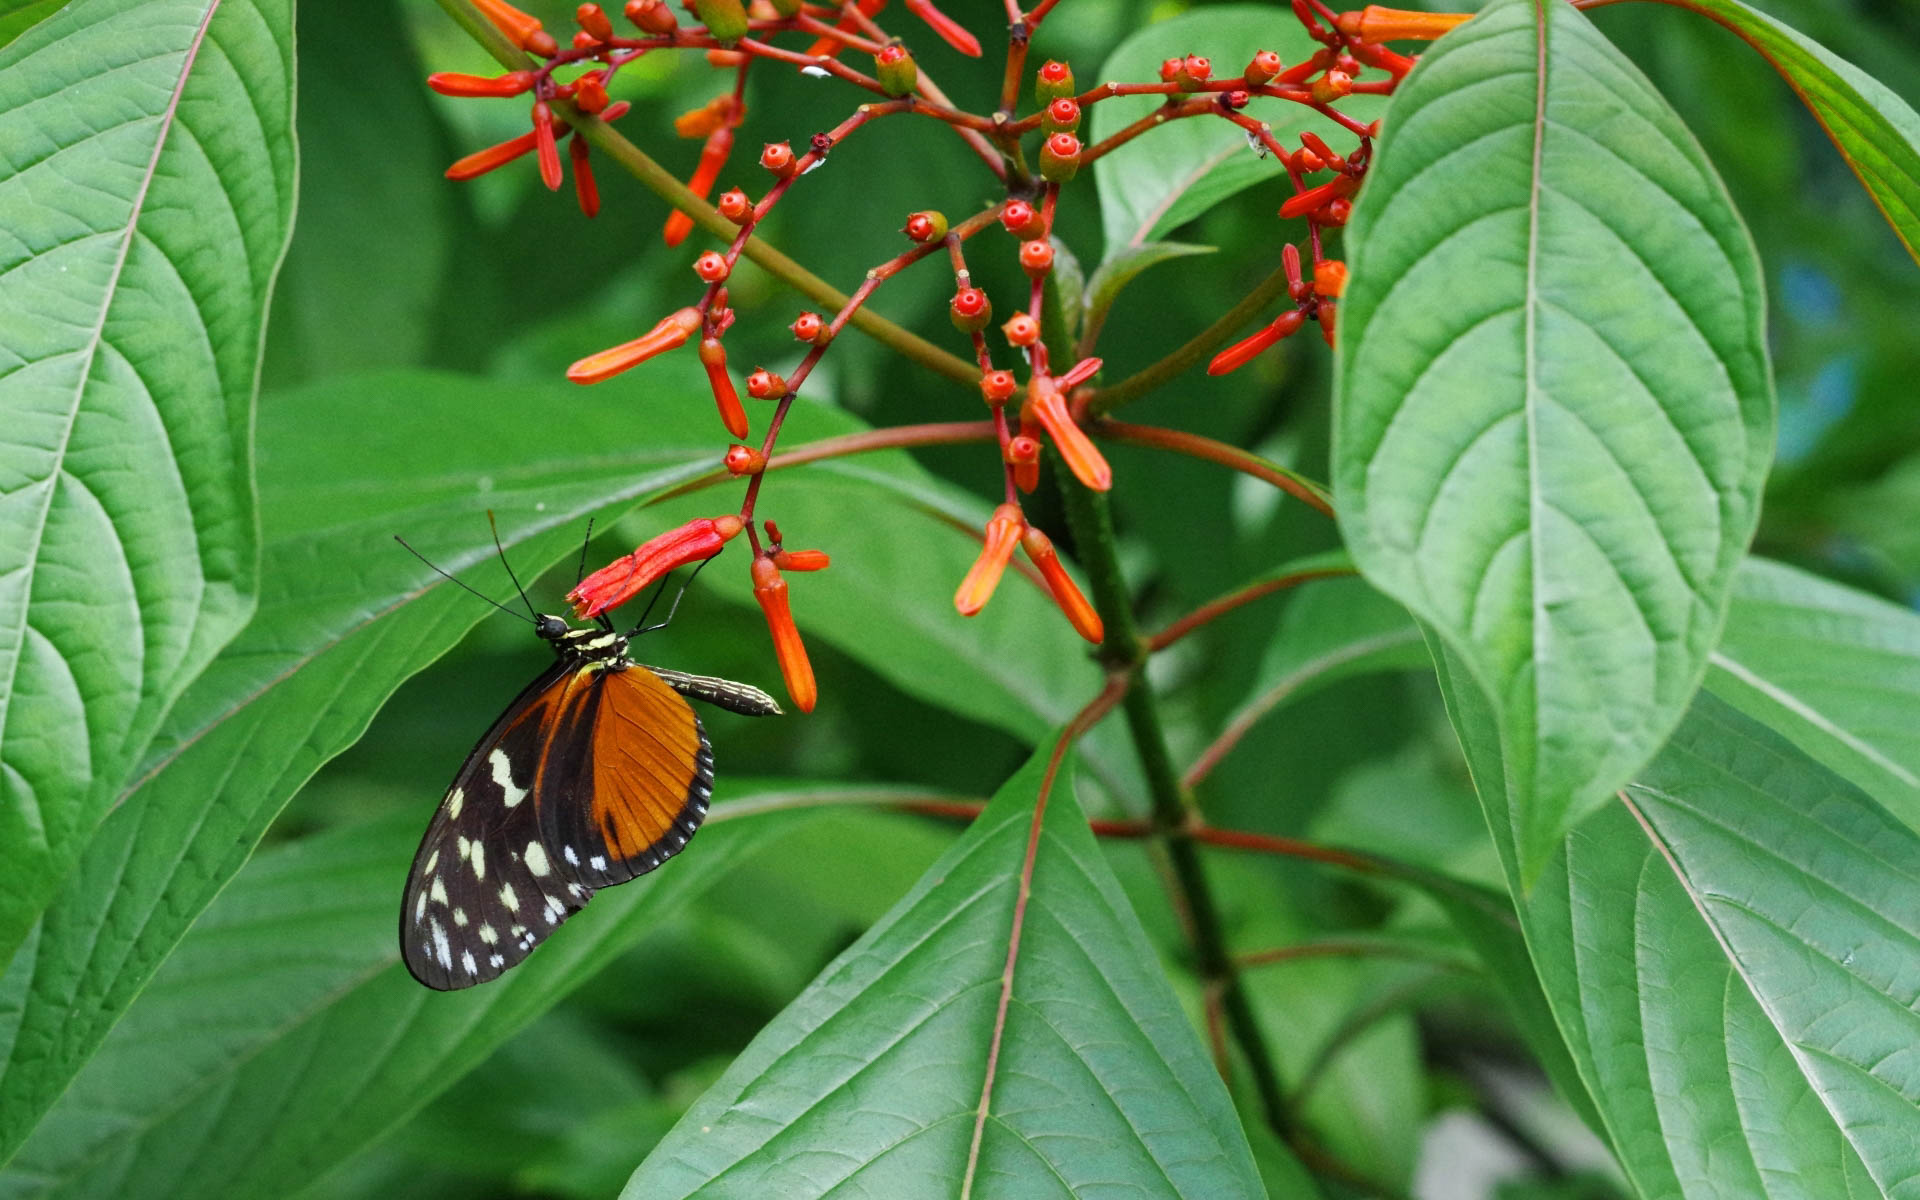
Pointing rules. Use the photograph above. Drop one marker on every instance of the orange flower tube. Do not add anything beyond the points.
(771, 591)
(1376, 24)
(1066, 593)
(481, 161)
(673, 330)
(1003, 534)
(713, 157)
(1082, 457)
(623, 578)
(518, 26)
(452, 83)
(949, 29)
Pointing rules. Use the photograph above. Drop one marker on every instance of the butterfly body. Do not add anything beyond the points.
(598, 772)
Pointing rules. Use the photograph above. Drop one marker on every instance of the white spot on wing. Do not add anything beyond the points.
(510, 794)
(479, 861)
(494, 960)
(466, 960)
(537, 859)
(438, 891)
(510, 898)
(433, 860)
(455, 803)
(489, 935)
(573, 860)
(419, 907)
(554, 911)
(597, 862)
(460, 917)
(441, 950)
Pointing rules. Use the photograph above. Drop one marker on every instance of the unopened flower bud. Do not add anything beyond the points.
(1021, 330)
(809, 327)
(673, 330)
(770, 590)
(1067, 594)
(896, 71)
(778, 158)
(726, 20)
(745, 460)
(1036, 258)
(711, 266)
(652, 16)
(1022, 220)
(1062, 114)
(765, 385)
(593, 22)
(1053, 80)
(928, 226)
(1059, 157)
(970, 309)
(1332, 86)
(1265, 65)
(998, 387)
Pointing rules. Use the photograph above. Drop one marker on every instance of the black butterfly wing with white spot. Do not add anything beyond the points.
(474, 905)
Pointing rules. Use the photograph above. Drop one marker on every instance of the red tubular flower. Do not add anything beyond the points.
(1376, 24)
(593, 20)
(673, 330)
(713, 156)
(652, 15)
(1003, 534)
(452, 83)
(1081, 371)
(1242, 352)
(1082, 457)
(1086, 622)
(713, 356)
(771, 591)
(623, 578)
(801, 560)
(949, 30)
(1302, 203)
(481, 161)
(518, 26)
(584, 188)
(543, 141)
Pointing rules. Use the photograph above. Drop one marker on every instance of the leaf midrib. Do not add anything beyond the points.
(109, 292)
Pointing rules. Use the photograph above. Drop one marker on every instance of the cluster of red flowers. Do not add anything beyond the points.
(1052, 405)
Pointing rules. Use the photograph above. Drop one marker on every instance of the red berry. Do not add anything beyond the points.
(1022, 221)
(970, 309)
(1062, 114)
(1021, 330)
(928, 226)
(808, 327)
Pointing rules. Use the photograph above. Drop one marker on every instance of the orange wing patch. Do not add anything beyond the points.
(650, 766)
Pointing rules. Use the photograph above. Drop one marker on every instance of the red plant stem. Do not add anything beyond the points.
(1214, 609)
(1082, 721)
(845, 37)
(1207, 448)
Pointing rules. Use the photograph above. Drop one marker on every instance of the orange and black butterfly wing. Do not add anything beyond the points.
(634, 784)
(482, 893)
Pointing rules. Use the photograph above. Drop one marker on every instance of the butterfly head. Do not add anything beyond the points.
(551, 628)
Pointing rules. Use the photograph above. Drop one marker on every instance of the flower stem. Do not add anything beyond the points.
(1174, 813)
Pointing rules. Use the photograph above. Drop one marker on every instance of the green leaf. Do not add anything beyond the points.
(284, 1035)
(1333, 629)
(18, 16)
(1876, 131)
(907, 1070)
(1158, 182)
(1554, 414)
(346, 617)
(146, 189)
(1834, 670)
(1728, 950)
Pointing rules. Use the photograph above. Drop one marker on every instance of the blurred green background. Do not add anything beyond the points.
(392, 266)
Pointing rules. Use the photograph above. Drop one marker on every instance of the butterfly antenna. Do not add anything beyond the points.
(457, 582)
(675, 607)
(584, 543)
(502, 552)
(651, 601)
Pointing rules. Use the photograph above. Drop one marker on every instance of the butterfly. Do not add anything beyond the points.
(596, 773)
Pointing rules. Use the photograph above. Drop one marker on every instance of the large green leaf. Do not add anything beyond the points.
(952, 1051)
(346, 616)
(1729, 949)
(284, 1034)
(1554, 410)
(1876, 131)
(146, 191)
(1835, 670)
(1167, 177)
